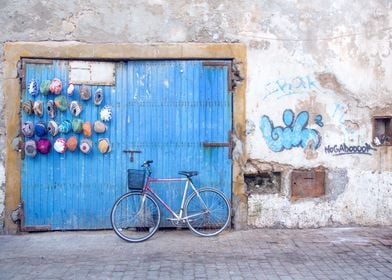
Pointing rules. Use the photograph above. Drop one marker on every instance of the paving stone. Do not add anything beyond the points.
(254, 254)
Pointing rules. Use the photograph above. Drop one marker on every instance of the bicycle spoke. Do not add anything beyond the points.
(207, 212)
(135, 217)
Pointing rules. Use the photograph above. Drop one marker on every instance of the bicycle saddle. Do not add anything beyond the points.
(188, 173)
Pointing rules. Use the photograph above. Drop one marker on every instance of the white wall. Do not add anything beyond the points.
(339, 73)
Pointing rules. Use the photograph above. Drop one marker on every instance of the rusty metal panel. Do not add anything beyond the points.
(307, 183)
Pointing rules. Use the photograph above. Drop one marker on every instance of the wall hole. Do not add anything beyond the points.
(263, 182)
(382, 131)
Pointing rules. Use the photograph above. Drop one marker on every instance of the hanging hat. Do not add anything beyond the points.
(28, 129)
(65, 126)
(86, 145)
(99, 127)
(84, 93)
(33, 88)
(51, 108)
(77, 125)
(56, 86)
(30, 148)
(27, 107)
(104, 145)
(45, 87)
(98, 97)
(75, 108)
(106, 113)
(38, 108)
(60, 145)
(43, 146)
(53, 128)
(40, 129)
(61, 103)
(72, 143)
(70, 89)
(87, 129)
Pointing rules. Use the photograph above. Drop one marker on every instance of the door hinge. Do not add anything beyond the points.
(22, 74)
(228, 144)
(229, 66)
(234, 75)
(22, 68)
(216, 63)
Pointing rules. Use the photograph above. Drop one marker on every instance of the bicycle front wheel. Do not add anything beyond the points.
(135, 217)
(207, 212)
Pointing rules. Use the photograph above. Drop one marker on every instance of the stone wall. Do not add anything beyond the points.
(327, 66)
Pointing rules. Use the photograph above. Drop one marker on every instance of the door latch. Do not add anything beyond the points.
(132, 152)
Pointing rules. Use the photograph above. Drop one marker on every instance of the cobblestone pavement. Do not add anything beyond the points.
(328, 253)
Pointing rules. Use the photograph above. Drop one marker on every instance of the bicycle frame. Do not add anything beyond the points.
(136, 215)
(188, 183)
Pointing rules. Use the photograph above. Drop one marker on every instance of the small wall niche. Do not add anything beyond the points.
(263, 182)
(382, 130)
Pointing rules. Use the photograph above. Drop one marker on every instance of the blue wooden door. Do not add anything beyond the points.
(165, 109)
(174, 107)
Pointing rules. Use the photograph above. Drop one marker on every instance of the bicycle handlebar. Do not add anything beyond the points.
(147, 163)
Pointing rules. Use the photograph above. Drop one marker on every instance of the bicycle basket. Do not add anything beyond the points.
(136, 179)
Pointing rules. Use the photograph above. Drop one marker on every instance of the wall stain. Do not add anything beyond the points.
(329, 81)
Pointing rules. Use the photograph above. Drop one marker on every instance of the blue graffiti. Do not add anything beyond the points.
(298, 85)
(295, 134)
(319, 120)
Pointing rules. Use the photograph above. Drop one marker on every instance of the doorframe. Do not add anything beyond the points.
(15, 51)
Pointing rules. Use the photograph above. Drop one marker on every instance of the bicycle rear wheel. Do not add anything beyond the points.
(207, 211)
(135, 217)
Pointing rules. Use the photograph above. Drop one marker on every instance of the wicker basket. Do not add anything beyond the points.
(136, 179)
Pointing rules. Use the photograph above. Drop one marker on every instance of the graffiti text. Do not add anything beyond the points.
(295, 133)
(343, 149)
(297, 85)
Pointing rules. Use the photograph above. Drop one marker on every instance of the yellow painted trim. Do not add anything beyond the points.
(14, 51)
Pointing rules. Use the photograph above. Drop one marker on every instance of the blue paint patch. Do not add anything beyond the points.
(295, 134)
(319, 120)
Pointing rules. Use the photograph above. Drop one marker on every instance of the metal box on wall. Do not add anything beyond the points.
(307, 183)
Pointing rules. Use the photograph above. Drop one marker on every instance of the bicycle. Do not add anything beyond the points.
(136, 216)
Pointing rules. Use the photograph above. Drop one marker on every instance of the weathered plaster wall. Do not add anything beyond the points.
(331, 59)
(340, 77)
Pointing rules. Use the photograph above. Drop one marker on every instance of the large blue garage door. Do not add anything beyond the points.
(177, 113)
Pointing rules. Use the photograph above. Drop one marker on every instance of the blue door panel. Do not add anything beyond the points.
(176, 106)
(166, 109)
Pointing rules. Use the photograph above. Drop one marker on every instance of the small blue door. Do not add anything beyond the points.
(165, 109)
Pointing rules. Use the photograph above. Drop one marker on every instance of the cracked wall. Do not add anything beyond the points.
(318, 70)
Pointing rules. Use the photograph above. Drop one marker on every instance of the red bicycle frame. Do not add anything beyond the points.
(163, 180)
